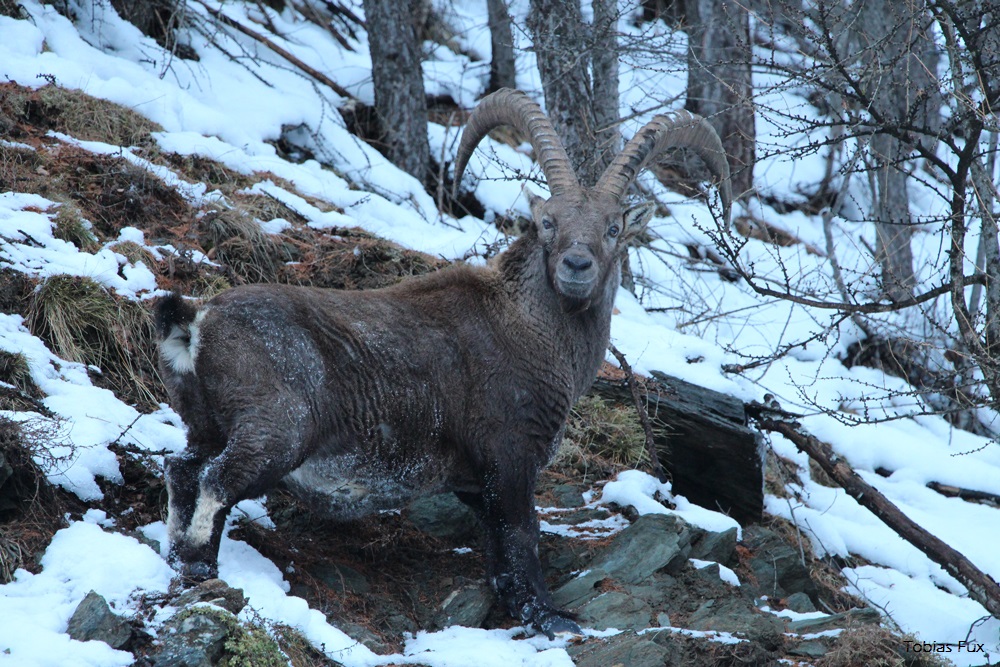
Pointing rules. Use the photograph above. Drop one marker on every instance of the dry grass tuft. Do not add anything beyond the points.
(71, 226)
(77, 114)
(135, 253)
(14, 369)
(82, 322)
(874, 646)
(601, 437)
(236, 239)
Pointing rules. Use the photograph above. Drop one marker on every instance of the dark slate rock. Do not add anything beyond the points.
(843, 620)
(810, 649)
(443, 516)
(216, 592)
(776, 566)
(467, 606)
(624, 649)
(718, 547)
(94, 620)
(340, 578)
(615, 610)
(567, 495)
(580, 589)
(734, 615)
(195, 640)
(800, 602)
(654, 542)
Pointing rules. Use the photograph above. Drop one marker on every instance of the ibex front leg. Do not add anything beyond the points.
(507, 510)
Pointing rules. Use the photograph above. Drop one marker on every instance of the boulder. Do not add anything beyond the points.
(192, 640)
(654, 542)
(467, 606)
(94, 620)
(625, 649)
(615, 610)
(443, 516)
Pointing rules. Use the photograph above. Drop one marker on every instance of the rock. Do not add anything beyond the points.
(733, 615)
(663, 620)
(718, 547)
(362, 634)
(94, 620)
(442, 516)
(615, 610)
(800, 602)
(340, 578)
(213, 591)
(842, 620)
(467, 606)
(654, 542)
(567, 495)
(580, 589)
(776, 566)
(809, 649)
(626, 649)
(192, 640)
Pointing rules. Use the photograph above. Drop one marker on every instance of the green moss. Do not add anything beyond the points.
(248, 644)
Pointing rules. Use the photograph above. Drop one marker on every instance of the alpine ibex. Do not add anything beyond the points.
(458, 380)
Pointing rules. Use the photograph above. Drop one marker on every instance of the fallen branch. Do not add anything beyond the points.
(640, 407)
(314, 73)
(982, 588)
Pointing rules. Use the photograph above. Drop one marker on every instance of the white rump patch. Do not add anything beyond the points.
(200, 530)
(180, 347)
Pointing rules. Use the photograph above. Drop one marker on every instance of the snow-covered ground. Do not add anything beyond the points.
(228, 111)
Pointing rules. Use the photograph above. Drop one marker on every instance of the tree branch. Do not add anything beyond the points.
(982, 588)
(314, 73)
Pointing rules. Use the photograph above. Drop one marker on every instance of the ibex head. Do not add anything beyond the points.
(585, 230)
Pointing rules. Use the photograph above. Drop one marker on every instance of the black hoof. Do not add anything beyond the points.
(554, 625)
(198, 571)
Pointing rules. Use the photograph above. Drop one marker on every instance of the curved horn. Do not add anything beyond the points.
(681, 129)
(512, 107)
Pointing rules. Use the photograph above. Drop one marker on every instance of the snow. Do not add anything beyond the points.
(229, 111)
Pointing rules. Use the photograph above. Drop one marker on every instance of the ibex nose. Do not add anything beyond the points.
(578, 262)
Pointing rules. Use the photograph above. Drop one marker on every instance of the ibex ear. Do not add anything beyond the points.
(534, 202)
(636, 219)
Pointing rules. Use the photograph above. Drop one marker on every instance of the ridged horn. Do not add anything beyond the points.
(512, 107)
(680, 129)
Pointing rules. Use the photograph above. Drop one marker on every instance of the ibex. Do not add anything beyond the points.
(458, 380)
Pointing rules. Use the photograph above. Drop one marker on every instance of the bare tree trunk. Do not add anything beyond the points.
(399, 84)
(566, 49)
(986, 187)
(902, 59)
(891, 213)
(719, 82)
(605, 78)
(502, 69)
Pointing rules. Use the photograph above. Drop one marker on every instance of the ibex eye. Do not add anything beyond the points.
(614, 231)
(547, 223)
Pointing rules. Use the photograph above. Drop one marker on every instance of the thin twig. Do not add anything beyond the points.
(640, 407)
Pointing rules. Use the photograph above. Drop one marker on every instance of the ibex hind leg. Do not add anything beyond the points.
(202, 492)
